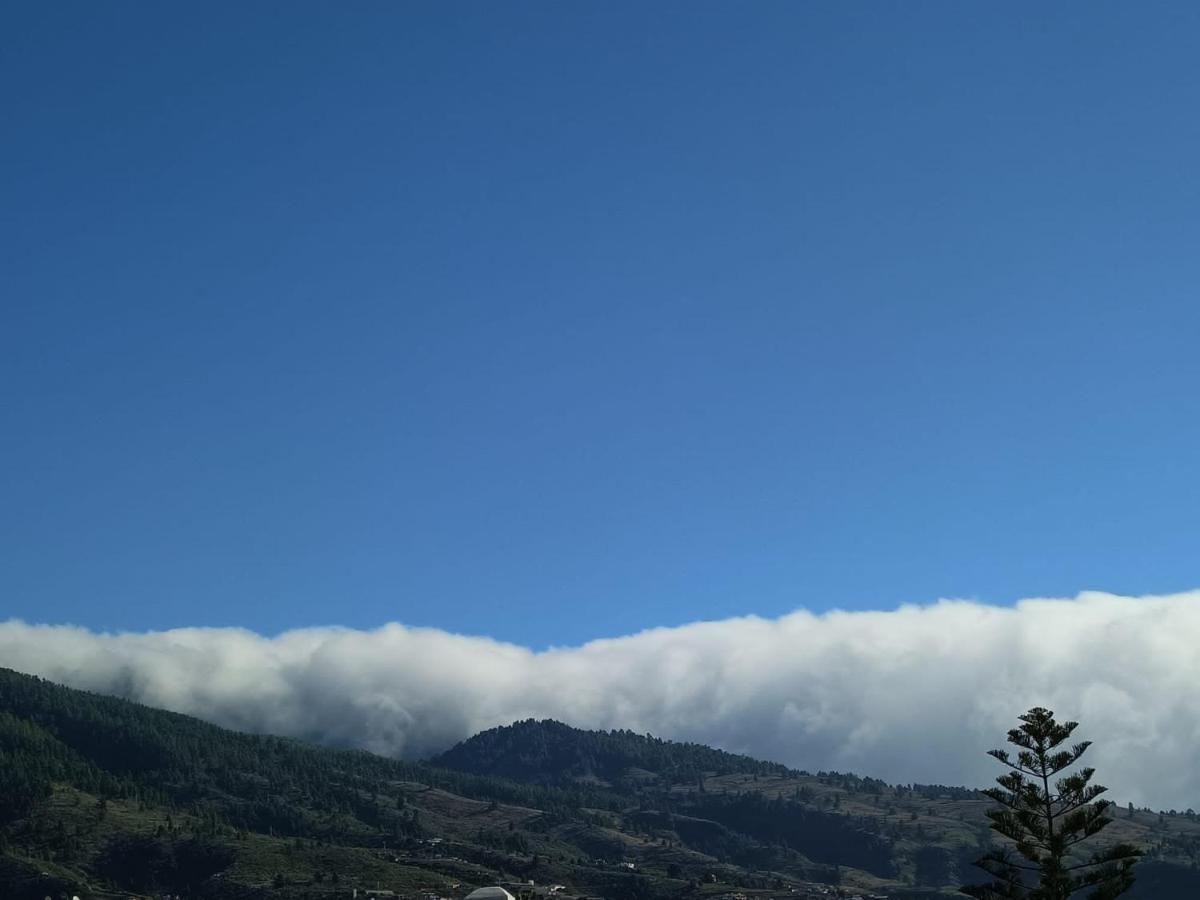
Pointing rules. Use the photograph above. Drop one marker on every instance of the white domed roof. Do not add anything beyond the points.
(490, 893)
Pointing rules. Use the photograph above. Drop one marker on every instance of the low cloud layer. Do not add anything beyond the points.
(916, 694)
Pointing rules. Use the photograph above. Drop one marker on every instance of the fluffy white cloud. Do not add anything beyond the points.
(915, 694)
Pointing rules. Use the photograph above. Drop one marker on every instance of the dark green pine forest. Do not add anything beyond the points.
(103, 797)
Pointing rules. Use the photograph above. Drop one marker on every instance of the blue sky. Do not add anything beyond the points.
(560, 321)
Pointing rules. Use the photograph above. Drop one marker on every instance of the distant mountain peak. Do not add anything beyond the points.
(547, 751)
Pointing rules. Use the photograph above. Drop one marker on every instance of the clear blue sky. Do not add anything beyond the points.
(554, 321)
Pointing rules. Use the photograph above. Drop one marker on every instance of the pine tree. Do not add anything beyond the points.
(1046, 822)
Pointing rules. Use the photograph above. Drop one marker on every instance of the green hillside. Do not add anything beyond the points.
(550, 752)
(100, 794)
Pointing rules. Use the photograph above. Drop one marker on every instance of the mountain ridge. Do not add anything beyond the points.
(99, 793)
(551, 751)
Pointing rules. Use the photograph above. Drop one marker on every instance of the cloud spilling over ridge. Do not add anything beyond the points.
(914, 694)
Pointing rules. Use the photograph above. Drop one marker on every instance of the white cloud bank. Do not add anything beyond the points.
(916, 694)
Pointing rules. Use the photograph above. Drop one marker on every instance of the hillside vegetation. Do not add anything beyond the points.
(549, 752)
(100, 794)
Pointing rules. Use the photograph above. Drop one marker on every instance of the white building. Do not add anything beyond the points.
(490, 893)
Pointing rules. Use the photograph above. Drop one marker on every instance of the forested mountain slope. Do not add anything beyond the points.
(554, 753)
(98, 793)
